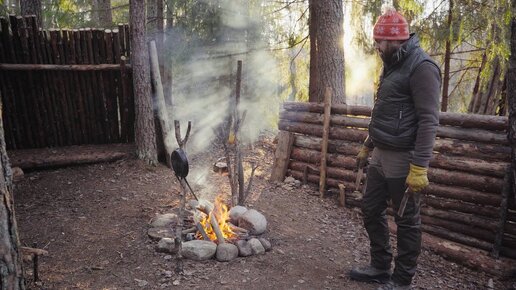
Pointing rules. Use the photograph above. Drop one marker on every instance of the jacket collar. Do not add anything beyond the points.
(406, 48)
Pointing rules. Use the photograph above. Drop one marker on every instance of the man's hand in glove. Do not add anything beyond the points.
(417, 178)
(362, 156)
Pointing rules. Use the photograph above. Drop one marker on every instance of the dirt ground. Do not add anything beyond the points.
(93, 221)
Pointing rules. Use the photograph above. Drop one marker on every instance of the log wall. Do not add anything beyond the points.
(464, 201)
(64, 87)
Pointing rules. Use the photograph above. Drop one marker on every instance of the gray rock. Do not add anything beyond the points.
(256, 246)
(289, 179)
(160, 233)
(244, 249)
(266, 244)
(164, 220)
(253, 221)
(226, 252)
(235, 213)
(199, 250)
(166, 245)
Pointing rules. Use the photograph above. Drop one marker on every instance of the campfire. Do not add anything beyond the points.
(215, 225)
(213, 230)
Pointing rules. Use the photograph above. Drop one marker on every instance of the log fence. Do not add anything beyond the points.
(64, 87)
(464, 201)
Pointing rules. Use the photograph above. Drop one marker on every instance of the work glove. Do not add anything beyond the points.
(417, 178)
(362, 156)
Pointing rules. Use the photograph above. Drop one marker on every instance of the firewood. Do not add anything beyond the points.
(215, 226)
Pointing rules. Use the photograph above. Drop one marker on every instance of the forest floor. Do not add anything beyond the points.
(93, 221)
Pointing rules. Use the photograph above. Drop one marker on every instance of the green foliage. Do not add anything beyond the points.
(66, 13)
(477, 27)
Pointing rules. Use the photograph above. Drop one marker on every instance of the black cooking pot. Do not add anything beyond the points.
(179, 163)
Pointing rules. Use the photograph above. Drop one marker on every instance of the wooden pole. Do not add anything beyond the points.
(160, 100)
(495, 252)
(282, 156)
(62, 67)
(325, 135)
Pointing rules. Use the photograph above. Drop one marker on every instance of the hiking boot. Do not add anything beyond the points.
(370, 274)
(391, 285)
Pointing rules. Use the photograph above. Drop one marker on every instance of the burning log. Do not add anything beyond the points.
(215, 226)
(200, 228)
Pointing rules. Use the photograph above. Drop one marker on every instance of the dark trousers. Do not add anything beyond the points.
(374, 207)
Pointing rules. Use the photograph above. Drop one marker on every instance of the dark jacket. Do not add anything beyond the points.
(401, 109)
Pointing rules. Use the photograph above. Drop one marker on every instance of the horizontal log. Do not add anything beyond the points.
(334, 146)
(355, 135)
(464, 255)
(455, 147)
(341, 109)
(439, 178)
(488, 122)
(330, 182)
(464, 194)
(452, 226)
(457, 237)
(467, 219)
(469, 165)
(316, 118)
(472, 134)
(336, 173)
(62, 67)
(314, 157)
(460, 206)
(40, 158)
(473, 181)
(473, 149)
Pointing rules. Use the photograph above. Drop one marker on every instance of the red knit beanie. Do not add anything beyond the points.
(391, 26)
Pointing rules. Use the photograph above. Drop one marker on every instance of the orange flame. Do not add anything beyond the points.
(221, 213)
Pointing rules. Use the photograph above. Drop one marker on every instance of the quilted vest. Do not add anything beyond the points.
(394, 121)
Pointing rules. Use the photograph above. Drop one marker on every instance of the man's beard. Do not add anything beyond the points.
(388, 56)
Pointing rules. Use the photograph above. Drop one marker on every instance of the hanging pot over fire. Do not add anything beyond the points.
(180, 166)
(179, 163)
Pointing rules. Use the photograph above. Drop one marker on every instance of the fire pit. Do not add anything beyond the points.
(212, 230)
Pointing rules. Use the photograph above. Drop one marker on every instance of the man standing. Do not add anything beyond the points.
(401, 137)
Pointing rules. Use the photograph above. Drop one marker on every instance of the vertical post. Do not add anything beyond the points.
(160, 99)
(325, 135)
(282, 156)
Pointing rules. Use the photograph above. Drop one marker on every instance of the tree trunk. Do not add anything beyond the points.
(32, 7)
(446, 74)
(293, 75)
(145, 133)
(167, 59)
(11, 270)
(102, 13)
(326, 50)
(511, 96)
(475, 102)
